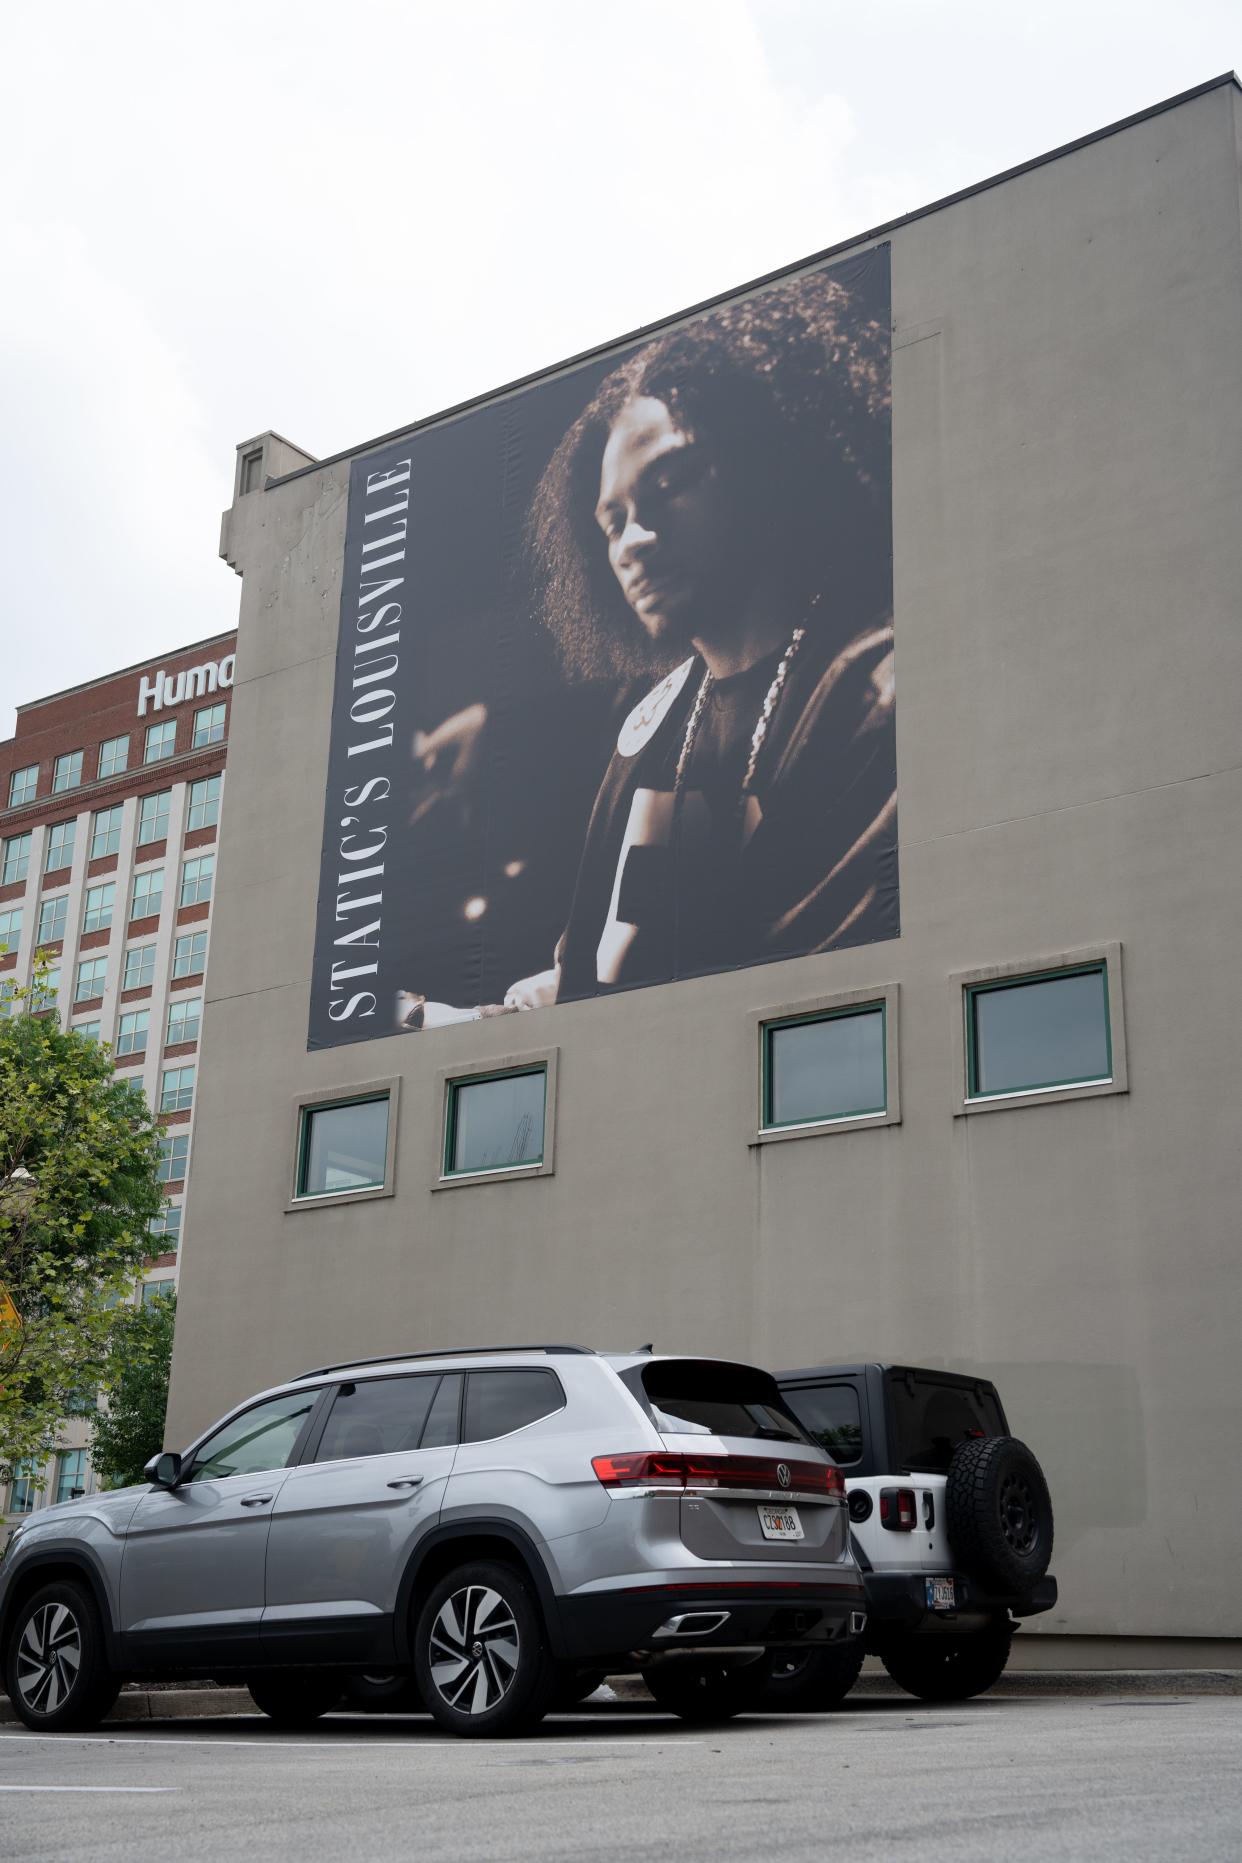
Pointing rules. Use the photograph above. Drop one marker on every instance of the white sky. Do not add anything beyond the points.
(332, 219)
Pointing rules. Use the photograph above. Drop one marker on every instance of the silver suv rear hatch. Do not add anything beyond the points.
(755, 1485)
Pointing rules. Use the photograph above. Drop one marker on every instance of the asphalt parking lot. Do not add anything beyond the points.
(1150, 1776)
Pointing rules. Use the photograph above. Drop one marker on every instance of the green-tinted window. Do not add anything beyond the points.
(52, 915)
(161, 741)
(184, 1015)
(16, 859)
(59, 846)
(1030, 1033)
(10, 927)
(196, 879)
(495, 1122)
(113, 756)
(153, 817)
(343, 1147)
(208, 726)
(148, 894)
(204, 804)
(97, 914)
(67, 771)
(23, 784)
(190, 955)
(92, 975)
(823, 1067)
(177, 1090)
(139, 967)
(131, 1034)
(105, 832)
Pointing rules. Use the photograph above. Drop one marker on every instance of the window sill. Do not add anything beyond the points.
(333, 1199)
(503, 1174)
(818, 1128)
(1040, 1096)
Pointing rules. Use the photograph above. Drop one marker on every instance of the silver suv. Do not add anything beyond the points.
(499, 1527)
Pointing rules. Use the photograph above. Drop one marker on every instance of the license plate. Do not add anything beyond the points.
(780, 1523)
(941, 1595)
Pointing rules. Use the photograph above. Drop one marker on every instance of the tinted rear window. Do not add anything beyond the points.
(499, 1402)
(377, 1416)
(931, 1418)
(689, 1397)
(831, 1417)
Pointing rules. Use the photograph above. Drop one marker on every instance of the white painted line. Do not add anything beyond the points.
(273, 1744)
(89, 1788)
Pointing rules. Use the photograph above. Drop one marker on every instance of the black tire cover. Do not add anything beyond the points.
(998, 1512)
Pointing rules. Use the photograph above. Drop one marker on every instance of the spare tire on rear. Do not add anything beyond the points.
(999, 1513)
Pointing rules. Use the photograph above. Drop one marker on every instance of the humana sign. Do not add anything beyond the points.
(162, 688)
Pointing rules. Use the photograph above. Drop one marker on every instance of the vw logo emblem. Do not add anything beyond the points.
(782, 1474)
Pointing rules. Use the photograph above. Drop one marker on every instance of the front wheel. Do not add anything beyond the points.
(707, 1690)
(481, 1656)
(811, 1681)
(56, 1665)
(295, 1697)
(948, 1666)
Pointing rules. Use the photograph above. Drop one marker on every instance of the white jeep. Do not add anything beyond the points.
(951, 1522)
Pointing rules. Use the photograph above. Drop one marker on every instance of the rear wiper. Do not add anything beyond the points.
(778, 1436)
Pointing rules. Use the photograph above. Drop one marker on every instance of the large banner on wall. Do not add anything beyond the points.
(614, 696)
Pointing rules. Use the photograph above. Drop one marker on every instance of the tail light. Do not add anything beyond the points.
(646, 1469)
(898, 1510)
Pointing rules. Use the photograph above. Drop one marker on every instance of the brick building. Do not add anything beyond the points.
(110, 798)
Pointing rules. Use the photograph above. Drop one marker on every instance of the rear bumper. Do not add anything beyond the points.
(898, 1601)
(604, 1627)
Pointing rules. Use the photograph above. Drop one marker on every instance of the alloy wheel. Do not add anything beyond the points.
(49, 1657)
(474, 1649)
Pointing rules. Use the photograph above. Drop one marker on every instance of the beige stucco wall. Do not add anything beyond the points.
(1067, 478)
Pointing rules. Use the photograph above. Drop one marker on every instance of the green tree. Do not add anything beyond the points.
(131, 1430)
(79, 1156)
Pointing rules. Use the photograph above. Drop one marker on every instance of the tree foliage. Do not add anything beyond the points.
(131, 1430)
(79, 1155)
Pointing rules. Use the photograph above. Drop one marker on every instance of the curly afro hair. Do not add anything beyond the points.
(794, 379)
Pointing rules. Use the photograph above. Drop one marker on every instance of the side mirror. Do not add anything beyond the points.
(164, 1470)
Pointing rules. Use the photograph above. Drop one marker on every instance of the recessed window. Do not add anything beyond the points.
(10, 927)
(92, 975)
(16, 858)
(131, 1033)
(209, 726)
(113, 756)
(184, 1013)
(97, 915)
(824, 1067)
(177, 1090)
(1030, 1034)
(67, 771)
(23, 1493)
(161, 741)
(105, 833)
(196, 879)
(71, 1475)
(23, 784)
(148, 894)
(153, 817)
(204, 804)
(251, 477)
(166, 1228)
(495, 1122)
(59, 846)
(174, 1157)
(157, 1290)
(89, 1031)
(139, 967)
(343, 1147)
(190, 955)
(44, 995)
(52, 916)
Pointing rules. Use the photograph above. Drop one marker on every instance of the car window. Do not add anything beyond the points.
(261, 1438)
(498, 1402)
(377, 1416)
(830, 1414)
(932, 1417)
(441, 1426)
(702, 1397)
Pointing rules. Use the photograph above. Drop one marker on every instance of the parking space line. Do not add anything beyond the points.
(330, 1746)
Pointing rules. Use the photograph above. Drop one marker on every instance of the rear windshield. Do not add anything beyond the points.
(931, 1417)
(696, 1397)
(830, 1413)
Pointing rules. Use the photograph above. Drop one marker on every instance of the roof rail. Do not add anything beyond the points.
(399, 1358)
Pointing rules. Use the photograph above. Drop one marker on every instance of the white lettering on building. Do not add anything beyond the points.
(194, 682)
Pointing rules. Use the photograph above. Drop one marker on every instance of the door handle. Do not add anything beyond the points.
(255, 1500)
(407, 1481)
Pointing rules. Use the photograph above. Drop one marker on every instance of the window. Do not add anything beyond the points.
(830, 1415)
(177, 1090)
(131, 1034)
(824, 1067)
(99, 903)
(251, 471)
(89, 1031)
(106, 833)
(23, 1493)
(71, 1475)
(1032, 1033)
(262, 1438)
(343, 1147)
(190, 955)
(10, 927)
(139, 967)
(499, 1402)
(204, 803)
(23, 784)
(166, 1227)
(113, 756)
(184, 1013)
(7, 987)
(933, 1415)
(208, 726)
(148, 894)
(377, 1416)
(441, 1428)
(59, 846)
(196, 878)
(495, 1122)
(697, 1398)
(16, 858)
(52, 915)
(174, 1156)
(153, 817)
(67, 771)
(42, 996)
(157, 1290)
(92, 972)
(161, 741)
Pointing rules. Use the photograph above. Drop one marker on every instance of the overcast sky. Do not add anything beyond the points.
(333, 219)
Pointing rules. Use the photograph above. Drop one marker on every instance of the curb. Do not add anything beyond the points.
(165, 1704)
